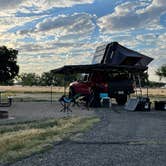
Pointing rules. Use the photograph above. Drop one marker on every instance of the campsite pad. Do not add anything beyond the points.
(27, 111)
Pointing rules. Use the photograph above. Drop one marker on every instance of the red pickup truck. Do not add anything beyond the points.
(118, 86)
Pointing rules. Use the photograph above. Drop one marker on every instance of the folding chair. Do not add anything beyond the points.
(65, 102)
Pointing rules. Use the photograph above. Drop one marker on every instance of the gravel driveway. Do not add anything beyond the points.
(120, 139)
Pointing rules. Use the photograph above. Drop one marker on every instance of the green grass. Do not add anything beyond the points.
(24, 139)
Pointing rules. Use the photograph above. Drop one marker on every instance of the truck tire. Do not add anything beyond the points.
(71, 92)
(121, 100)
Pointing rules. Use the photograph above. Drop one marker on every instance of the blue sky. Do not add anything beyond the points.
(52, 33)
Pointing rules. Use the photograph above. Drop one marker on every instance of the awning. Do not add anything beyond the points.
(71, 69)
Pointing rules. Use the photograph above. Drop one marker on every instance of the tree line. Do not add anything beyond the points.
(45, 79)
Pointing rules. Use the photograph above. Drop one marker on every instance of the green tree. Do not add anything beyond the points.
(29, 79)
(8, 64)
(161, 72)
(47, 79)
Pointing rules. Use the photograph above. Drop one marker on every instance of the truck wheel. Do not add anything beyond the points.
(121, 100)
(71, 92)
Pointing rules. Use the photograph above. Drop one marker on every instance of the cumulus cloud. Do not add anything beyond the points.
(133, 15)
(53, 55)
(56, 3)
(77, 23)
(40, 4)
(66, 26)
(9, 22)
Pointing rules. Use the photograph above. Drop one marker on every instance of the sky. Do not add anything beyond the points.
(53, 33)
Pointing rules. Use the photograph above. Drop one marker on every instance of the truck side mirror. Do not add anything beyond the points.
(85, 78)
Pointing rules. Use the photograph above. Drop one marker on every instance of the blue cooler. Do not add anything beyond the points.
(105, 100)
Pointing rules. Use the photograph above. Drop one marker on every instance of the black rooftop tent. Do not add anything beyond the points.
(110, 57)
(116, 54)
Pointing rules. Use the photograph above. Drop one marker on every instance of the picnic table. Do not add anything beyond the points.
(1, 91)
(5, 104)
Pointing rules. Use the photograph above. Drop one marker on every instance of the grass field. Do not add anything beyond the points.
(31, 93)
(38, 93)
(56, 89)
(32, 89)
(24, 139)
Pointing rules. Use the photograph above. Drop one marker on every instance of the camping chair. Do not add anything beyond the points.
(66, 102)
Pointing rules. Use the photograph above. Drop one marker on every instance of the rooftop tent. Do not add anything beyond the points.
(111, 57)
(99, 54)
(116, 54)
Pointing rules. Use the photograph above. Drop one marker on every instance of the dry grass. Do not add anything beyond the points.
(40, 89)
(24, 139)
(36, 93)
(32, 89)
(155, 91)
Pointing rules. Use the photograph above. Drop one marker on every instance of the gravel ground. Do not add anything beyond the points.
(28, 111)
(120, 139)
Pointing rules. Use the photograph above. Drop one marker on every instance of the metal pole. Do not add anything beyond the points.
(64, 84)
(147, 84)
(51, 93)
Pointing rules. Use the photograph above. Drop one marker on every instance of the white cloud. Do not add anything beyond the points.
(75, 27)
(68, 24)
(38, 5)
(8, 22)
(68, 33)
(133, 15)
(57, 3)
(57, 55)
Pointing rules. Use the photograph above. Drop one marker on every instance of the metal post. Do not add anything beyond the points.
(64, 83)
(147, 85)
(51, 94)
(134, 79)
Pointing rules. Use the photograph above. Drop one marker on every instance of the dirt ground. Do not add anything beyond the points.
(28, 111)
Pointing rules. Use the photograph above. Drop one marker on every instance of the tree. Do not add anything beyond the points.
(29, 79)
(8, 64)
(47, 79)
(161, 72)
